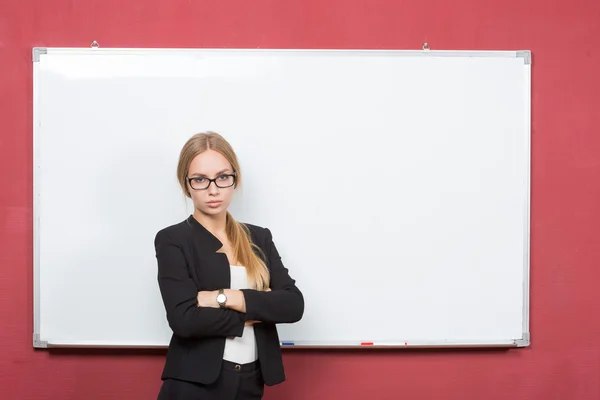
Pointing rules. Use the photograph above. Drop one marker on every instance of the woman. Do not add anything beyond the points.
(223, 285)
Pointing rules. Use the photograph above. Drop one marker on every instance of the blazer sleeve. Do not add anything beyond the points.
(284, 303)
(179, 296)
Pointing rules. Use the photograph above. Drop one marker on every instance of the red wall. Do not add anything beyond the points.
(563, 362)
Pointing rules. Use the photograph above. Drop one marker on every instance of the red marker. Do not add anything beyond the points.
(366, 343)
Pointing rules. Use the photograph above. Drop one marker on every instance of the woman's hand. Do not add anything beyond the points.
(208, 298)
(235, 300)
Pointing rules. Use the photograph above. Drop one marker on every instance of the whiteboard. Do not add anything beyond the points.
(395, 183)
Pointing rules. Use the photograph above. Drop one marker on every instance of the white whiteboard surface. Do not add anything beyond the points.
(396, 185)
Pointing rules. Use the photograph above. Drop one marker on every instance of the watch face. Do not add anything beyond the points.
(221, 298)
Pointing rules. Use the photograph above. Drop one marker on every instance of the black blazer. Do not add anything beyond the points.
(188, 263)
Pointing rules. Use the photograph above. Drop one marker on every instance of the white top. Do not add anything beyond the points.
(241, 350)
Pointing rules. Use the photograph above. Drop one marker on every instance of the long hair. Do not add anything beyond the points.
(237, 233)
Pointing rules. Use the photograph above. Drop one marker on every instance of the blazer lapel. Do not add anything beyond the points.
(210, 267)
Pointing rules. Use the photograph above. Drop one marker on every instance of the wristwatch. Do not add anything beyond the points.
(222, 299)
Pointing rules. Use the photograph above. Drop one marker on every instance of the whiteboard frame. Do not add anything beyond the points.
(37, 342)
(39, 52)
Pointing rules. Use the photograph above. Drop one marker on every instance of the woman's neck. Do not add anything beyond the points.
(215, 224)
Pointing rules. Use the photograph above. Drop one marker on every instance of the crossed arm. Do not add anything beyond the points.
(235, 301)
(196, 314)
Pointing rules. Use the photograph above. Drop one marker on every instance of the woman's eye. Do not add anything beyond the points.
(198, 180)
(223, 177)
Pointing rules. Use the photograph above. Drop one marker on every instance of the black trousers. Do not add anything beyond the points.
(236, 382)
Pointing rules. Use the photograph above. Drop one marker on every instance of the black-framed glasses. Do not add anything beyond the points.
(202, 183)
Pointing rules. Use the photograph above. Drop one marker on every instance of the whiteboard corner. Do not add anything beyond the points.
(525, 341)
(38, 343)
(525, 55)
(37, 51)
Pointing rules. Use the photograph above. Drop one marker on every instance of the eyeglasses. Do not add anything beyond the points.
(202, 183)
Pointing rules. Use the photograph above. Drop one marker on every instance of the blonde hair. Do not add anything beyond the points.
(237, 233)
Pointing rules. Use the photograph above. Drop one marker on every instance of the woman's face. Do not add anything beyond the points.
(213, 200)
